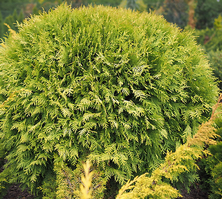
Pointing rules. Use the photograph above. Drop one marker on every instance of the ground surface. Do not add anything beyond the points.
(15, 192)
(195, 193)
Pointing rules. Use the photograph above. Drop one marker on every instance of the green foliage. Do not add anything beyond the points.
(118, 87)
(217, 181)
(7, 7)
(153, 4)
(206, 11)
(1, 26)
(10, 20)
(69, 182)
(133, 4)
(203, 36)
(113, 3)
(210, 39)
(218, 23)
(3, 178)
(215, 58)
(85, 187)
(215, 42)
(213, 166)
(181, 163)
(176, 12)
(21, 17)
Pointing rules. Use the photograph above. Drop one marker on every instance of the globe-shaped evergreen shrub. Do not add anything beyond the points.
(114, 86)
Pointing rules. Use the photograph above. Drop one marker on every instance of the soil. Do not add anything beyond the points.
(195, 193)
(15, 192)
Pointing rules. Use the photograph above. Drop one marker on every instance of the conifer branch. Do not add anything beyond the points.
(181, 161)
(85, 187)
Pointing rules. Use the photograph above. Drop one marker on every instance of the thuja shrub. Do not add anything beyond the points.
(117, 87)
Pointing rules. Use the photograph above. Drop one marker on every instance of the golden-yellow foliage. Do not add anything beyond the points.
(176, 163)
(85, 187)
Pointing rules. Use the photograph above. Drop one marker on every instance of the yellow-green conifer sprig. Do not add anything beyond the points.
(85, 187)
(176, 163)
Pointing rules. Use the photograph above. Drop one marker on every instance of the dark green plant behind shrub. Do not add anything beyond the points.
(211, 39)
(115, 86)
(206, 11)
(215, 58)
(215, 41)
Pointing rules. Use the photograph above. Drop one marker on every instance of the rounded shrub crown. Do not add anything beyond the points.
(115, 86)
